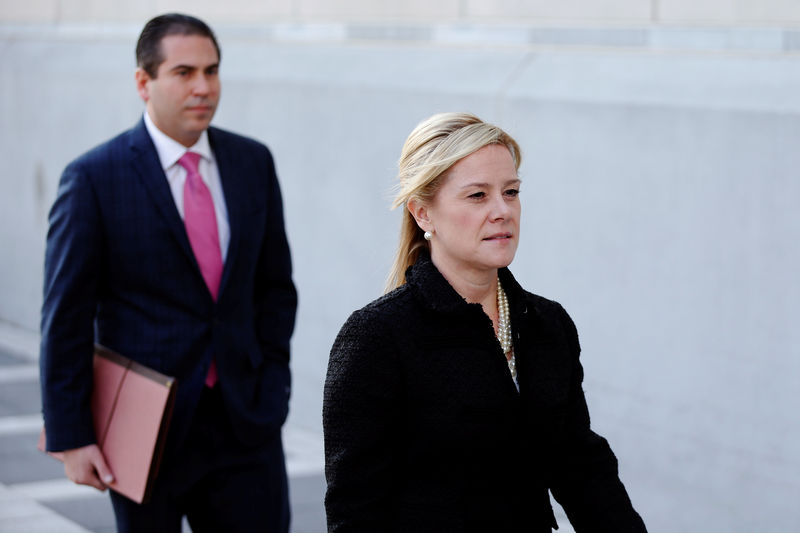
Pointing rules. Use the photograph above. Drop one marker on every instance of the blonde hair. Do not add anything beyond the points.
(435, 145)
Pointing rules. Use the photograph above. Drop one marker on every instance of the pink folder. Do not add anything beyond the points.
(131, 407)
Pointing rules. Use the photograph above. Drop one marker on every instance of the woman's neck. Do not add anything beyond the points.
(475, 286)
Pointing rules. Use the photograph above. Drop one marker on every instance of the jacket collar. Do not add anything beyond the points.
(147, 166)
(437, 294)
(516, 294)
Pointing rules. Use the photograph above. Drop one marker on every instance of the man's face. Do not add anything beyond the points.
(182, 98)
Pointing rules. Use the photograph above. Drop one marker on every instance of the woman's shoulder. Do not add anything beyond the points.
(542, 305)
(552, 316)
(371, 339)
(550, 312)
(389, 307)
(530, 301)
(381, 317)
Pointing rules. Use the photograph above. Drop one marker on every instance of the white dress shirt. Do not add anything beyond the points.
(169, 152)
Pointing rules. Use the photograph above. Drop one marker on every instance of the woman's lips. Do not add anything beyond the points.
(498, 236)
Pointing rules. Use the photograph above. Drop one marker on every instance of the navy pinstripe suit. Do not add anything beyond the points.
(119, 270)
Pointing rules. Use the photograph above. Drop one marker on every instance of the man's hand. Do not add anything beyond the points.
(87, 466)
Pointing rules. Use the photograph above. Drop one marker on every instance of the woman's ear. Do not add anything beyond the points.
(421, 214)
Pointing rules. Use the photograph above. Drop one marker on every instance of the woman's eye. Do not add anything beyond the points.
(512, 192)
(477, 195)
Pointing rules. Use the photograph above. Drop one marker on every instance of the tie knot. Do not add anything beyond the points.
(189, 161)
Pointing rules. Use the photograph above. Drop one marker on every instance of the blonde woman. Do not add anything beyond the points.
(454, 402)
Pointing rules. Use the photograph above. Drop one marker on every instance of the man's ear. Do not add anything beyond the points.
(419, 210)
(142, 77)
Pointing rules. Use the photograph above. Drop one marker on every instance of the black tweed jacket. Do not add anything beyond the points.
(425, 430)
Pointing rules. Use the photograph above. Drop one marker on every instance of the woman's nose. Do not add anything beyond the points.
(500, 208)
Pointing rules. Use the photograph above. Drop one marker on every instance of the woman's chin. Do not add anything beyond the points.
(499, 261)
(504, 259)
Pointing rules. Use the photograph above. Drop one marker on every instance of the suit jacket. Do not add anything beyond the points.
(119, 270)
(425, 430)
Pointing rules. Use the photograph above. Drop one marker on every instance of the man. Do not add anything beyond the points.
(167, 245)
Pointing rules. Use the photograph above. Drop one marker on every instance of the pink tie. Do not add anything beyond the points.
(201, 227)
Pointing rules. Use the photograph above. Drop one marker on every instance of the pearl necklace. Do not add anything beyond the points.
(504, 330)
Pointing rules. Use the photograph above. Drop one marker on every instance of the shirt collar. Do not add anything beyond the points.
(169, 150)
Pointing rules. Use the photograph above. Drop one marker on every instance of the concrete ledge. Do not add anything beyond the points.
(645, 37)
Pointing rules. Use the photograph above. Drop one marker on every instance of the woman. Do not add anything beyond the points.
(454, 402)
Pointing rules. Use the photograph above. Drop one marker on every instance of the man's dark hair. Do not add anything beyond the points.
(148, 50)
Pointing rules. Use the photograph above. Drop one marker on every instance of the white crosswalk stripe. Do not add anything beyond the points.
(19, 513)
(51, 490)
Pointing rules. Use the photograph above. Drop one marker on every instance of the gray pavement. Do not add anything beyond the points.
(36, 497)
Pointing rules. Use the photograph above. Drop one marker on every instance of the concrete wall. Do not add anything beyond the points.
(659, 206)
(739, 12)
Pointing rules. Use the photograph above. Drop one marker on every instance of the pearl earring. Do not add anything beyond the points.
(428, 235)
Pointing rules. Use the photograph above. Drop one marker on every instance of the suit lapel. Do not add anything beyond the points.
(145, 163)
(227, 167)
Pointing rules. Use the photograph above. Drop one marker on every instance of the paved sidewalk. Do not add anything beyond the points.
(36, 497)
